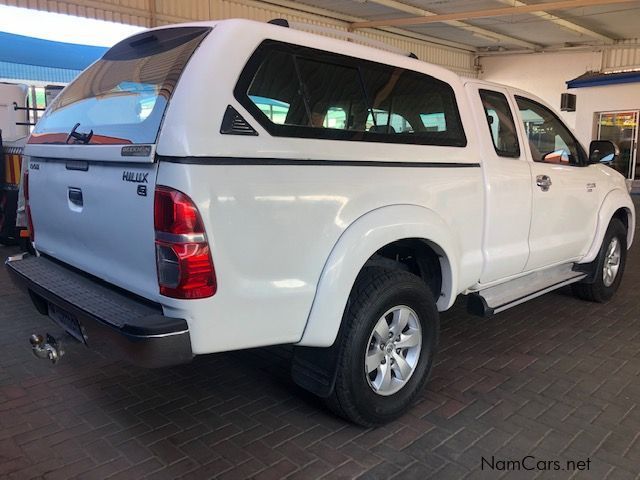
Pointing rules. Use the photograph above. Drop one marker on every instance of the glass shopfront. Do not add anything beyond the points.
(622, 129)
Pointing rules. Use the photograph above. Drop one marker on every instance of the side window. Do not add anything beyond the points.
(421, 108)
(275, 110)
(550, 140)
(295, 91)
(274, 94)
(501, 125)
(332, 92)
(379, 122)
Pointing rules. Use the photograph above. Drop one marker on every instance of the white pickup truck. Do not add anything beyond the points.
(227, 185)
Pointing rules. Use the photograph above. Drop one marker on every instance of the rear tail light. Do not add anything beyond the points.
(183, 258)
(27, 208)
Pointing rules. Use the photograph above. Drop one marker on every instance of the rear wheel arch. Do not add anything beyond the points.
(419, 256)
(376, 234)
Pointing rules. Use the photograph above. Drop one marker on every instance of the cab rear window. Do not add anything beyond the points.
(122, 97)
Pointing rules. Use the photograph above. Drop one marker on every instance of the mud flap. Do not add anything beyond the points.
(314, 368)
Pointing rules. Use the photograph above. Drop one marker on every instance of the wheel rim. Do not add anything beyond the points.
(393, 350)
(611, 262)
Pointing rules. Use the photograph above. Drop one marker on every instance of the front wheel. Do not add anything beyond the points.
(387, 347)
(609, 266)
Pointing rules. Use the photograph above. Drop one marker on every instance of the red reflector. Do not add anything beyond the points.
(183, 258)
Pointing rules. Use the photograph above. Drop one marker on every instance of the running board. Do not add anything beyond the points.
(496, 299)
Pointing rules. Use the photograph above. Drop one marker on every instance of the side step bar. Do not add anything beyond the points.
(498, 298)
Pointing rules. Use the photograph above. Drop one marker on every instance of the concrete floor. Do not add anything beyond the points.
(556, 378)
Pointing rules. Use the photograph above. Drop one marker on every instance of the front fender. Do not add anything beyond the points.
(357, 244)
(612, 202)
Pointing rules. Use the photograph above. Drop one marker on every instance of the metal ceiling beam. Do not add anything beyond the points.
(483, 32)
(348, 20)
(562, 22)
(490, 12)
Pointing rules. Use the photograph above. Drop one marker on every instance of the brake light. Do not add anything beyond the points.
(27, 208)
(183, 258)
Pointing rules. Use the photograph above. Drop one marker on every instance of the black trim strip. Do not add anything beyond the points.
(316, 163)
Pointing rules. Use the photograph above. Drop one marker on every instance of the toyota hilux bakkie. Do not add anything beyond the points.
(227, 185)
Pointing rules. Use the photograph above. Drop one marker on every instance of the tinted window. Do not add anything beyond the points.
(501, 125)
(300, 92)
(550, 140)
(122, 97)
(420, 107)
(333, 88)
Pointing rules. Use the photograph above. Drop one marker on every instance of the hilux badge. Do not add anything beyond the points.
(135, 177)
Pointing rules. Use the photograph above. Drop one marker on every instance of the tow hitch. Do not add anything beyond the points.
(51, 349)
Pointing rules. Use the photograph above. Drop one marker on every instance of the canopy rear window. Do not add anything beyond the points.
(122, 97)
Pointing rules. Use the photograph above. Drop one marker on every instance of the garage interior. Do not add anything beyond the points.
(555, 378)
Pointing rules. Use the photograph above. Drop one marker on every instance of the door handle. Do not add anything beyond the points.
(544, 182)
(75, 196)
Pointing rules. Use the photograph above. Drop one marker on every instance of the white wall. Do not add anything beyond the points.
(545, 74)
(624, 96)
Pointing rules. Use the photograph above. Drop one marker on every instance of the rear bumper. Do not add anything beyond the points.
(110, 321)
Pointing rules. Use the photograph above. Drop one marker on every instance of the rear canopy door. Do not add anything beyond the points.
(91, 186)
(121, 99)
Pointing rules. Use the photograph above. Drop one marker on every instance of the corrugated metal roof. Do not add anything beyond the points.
(159, 12)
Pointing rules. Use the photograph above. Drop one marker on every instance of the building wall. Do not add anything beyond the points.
(545, 74)
(603, 99)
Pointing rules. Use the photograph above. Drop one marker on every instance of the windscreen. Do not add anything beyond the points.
(122, 97)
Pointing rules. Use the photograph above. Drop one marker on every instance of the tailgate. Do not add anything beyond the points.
(97, 217)
(91, 157)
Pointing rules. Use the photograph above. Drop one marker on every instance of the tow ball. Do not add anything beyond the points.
(50, 349)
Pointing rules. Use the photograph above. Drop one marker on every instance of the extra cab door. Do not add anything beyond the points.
(507, 177)
(565, 197)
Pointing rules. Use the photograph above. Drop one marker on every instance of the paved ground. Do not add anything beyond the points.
(557, 379)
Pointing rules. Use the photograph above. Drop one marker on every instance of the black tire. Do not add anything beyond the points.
(595, 289)
(376, 291)
(8, 241)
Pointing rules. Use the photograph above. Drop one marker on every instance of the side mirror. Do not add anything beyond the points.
(603, 151)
